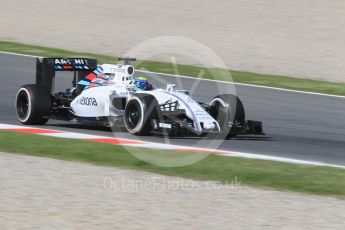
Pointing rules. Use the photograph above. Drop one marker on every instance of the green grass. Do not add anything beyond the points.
(219, 74)
(261, 173)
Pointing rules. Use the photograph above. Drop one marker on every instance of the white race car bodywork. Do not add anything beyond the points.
(202, 120)
(108, 95)
(96, 102)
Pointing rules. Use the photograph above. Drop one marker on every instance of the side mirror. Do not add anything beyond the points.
(170, 87)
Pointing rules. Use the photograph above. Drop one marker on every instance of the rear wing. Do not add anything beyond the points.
(46, 68)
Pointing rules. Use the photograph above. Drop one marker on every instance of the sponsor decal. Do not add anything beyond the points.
(76, 61)
(89, 101)
(189, 100)
(118, 69)
(99, 81)
(165, 125)
(202, 115)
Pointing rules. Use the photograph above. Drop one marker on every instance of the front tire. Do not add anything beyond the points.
(139, 112)
(33, 103)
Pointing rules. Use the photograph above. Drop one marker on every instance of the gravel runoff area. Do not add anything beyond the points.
(43, 193)
(297, 38)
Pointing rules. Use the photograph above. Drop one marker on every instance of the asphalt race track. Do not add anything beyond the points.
(297, 125)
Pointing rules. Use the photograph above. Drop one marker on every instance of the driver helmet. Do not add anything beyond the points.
(141, 83)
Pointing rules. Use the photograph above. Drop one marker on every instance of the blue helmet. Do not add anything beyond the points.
(141, 83)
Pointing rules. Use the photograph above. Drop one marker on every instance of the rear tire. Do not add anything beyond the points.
(139, 112)
(228, 108)
(33, 103)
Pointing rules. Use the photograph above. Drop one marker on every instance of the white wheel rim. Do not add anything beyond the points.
(26, 118)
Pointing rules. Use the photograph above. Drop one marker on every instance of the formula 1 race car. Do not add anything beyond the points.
(105, 95)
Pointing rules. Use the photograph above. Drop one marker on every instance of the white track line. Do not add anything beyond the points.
(24, 55)
(227, 82)
(244, 84)
(153, 145)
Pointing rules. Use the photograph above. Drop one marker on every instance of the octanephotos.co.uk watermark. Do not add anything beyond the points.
(164, 184)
